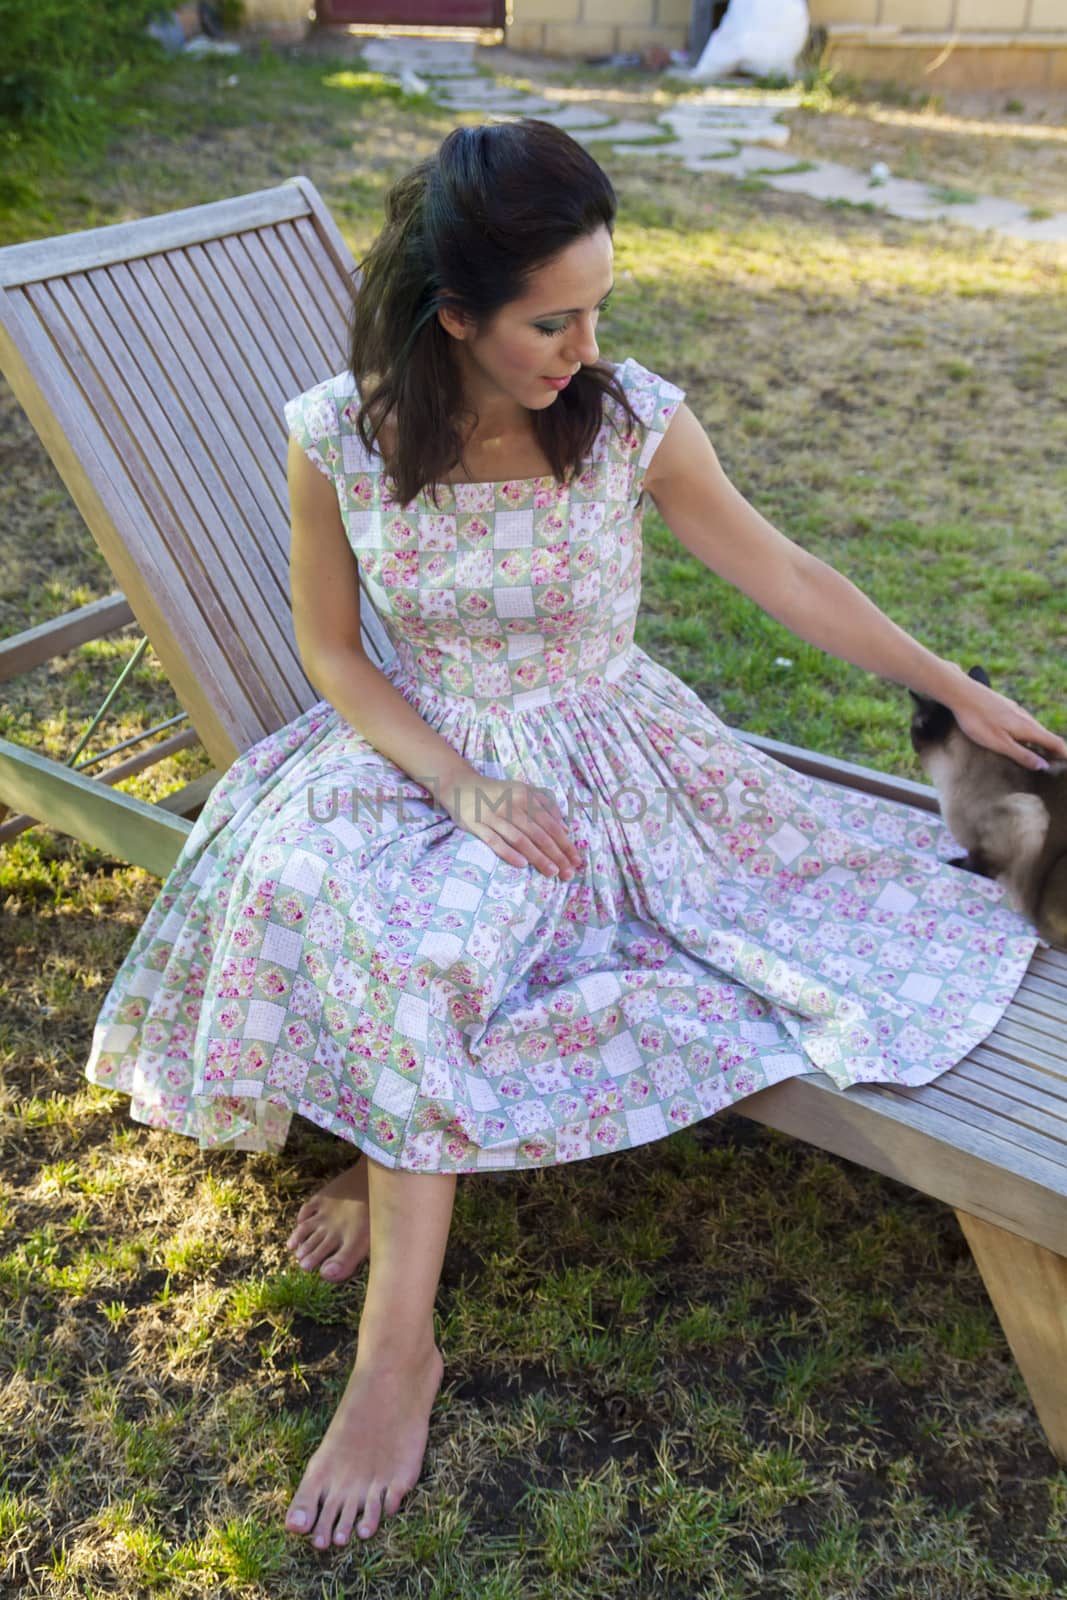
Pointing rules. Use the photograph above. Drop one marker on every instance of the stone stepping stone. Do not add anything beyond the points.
(752, 130)
(692, 150)
(522, 105)
(436, 57)
(623, 133)
(988, 213)
(738, 162)
(1047, 230)
(712, 134)
(571, 117)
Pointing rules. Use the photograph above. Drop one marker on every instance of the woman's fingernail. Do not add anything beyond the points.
(1042, 765)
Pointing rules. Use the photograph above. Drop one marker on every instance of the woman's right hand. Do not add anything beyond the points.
(522, 824)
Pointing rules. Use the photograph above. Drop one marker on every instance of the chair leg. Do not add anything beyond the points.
(1027, 1284)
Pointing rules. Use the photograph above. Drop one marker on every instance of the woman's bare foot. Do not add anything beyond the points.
(333, 1228)
(371, 1454)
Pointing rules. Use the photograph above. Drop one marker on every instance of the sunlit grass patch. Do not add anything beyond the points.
(293, 1289)
(723, 1365)
(246, 1549)
(576, 1524)
(111, 1262)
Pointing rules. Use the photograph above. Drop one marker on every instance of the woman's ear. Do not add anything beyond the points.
(455, 322)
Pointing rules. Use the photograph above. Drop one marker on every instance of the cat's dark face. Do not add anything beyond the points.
(931, 722)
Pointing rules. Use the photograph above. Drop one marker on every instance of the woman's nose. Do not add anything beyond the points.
(583, 346)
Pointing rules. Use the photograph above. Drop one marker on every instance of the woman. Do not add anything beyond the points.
(520, 897)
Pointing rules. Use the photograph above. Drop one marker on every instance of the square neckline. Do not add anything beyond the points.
(374, 455)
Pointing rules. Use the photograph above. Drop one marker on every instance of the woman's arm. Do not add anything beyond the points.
(525, 825)
(324, 582)
(712, 519)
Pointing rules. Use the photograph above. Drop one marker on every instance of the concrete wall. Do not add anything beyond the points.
(946, 16)
(936, 44)
(949, 44)
(595, 27)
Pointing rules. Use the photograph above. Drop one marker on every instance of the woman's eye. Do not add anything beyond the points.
(559, 327)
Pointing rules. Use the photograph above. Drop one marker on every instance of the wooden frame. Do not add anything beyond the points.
(153, 359)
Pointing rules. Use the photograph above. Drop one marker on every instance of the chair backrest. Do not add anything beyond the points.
(153, 358)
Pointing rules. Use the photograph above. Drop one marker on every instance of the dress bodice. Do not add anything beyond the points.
(509, 594)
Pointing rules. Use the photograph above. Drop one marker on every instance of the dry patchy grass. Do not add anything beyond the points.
(725, 1365)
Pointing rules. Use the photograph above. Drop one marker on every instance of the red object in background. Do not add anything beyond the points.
(415, 13)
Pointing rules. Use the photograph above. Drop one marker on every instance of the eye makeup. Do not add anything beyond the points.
(550, 328)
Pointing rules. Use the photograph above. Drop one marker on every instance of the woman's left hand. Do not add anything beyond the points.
(991, 719)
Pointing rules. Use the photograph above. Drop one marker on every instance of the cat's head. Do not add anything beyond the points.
(931, 722)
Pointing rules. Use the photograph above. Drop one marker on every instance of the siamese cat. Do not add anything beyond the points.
(1012, 822)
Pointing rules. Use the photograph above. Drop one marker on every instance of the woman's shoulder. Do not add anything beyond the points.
(329, 401)
(324, 420)
(652, 400)
(648, 392)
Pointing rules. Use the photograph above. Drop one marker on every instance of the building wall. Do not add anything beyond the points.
(946, 16)
(948, 44)
(595, 27)
(992, 43)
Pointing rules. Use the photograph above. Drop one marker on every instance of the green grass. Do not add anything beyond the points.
(725, 1365)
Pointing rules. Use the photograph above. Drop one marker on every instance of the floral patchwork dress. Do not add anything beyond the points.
(329, 943)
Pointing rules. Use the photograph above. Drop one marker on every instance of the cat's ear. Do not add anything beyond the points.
(980, 675)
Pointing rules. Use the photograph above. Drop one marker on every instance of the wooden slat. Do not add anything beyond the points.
(21, 652)
(214, 403)
(1028, 1287)
(1031, 1079)
(89, 810)
(200, 501)
(1015, 1038)
(272, 287)
(900, 1136)
(1046, 1021)
(252, 556)
(1040, 1099)
(162, 490)
(298, 245)
(327, 231)
(149, 757)
(61, 401)
(316, 268)
(985, 1108)
(99, 247)
(191, 796)
(279, 372)
(239, 370)
(1042, 992)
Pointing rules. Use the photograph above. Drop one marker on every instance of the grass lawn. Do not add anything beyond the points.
(725, 1365)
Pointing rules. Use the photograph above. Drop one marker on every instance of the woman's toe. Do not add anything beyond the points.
(316, 1250)
(301, 1514)
(332, 1509)
(342, 1263)
(304, 1226)
(372, 1511)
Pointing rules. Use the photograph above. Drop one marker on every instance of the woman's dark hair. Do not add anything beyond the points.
(466, 228)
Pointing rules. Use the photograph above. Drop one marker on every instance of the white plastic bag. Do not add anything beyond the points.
(763, 37)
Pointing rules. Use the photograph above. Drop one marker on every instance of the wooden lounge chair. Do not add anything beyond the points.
(153, 358)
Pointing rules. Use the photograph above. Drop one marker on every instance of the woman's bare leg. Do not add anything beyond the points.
(332, 1229)
(371, 1454)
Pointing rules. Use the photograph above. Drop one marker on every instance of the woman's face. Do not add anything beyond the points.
(545, 335)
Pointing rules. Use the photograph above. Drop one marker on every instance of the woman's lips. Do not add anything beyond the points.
(559, 383)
